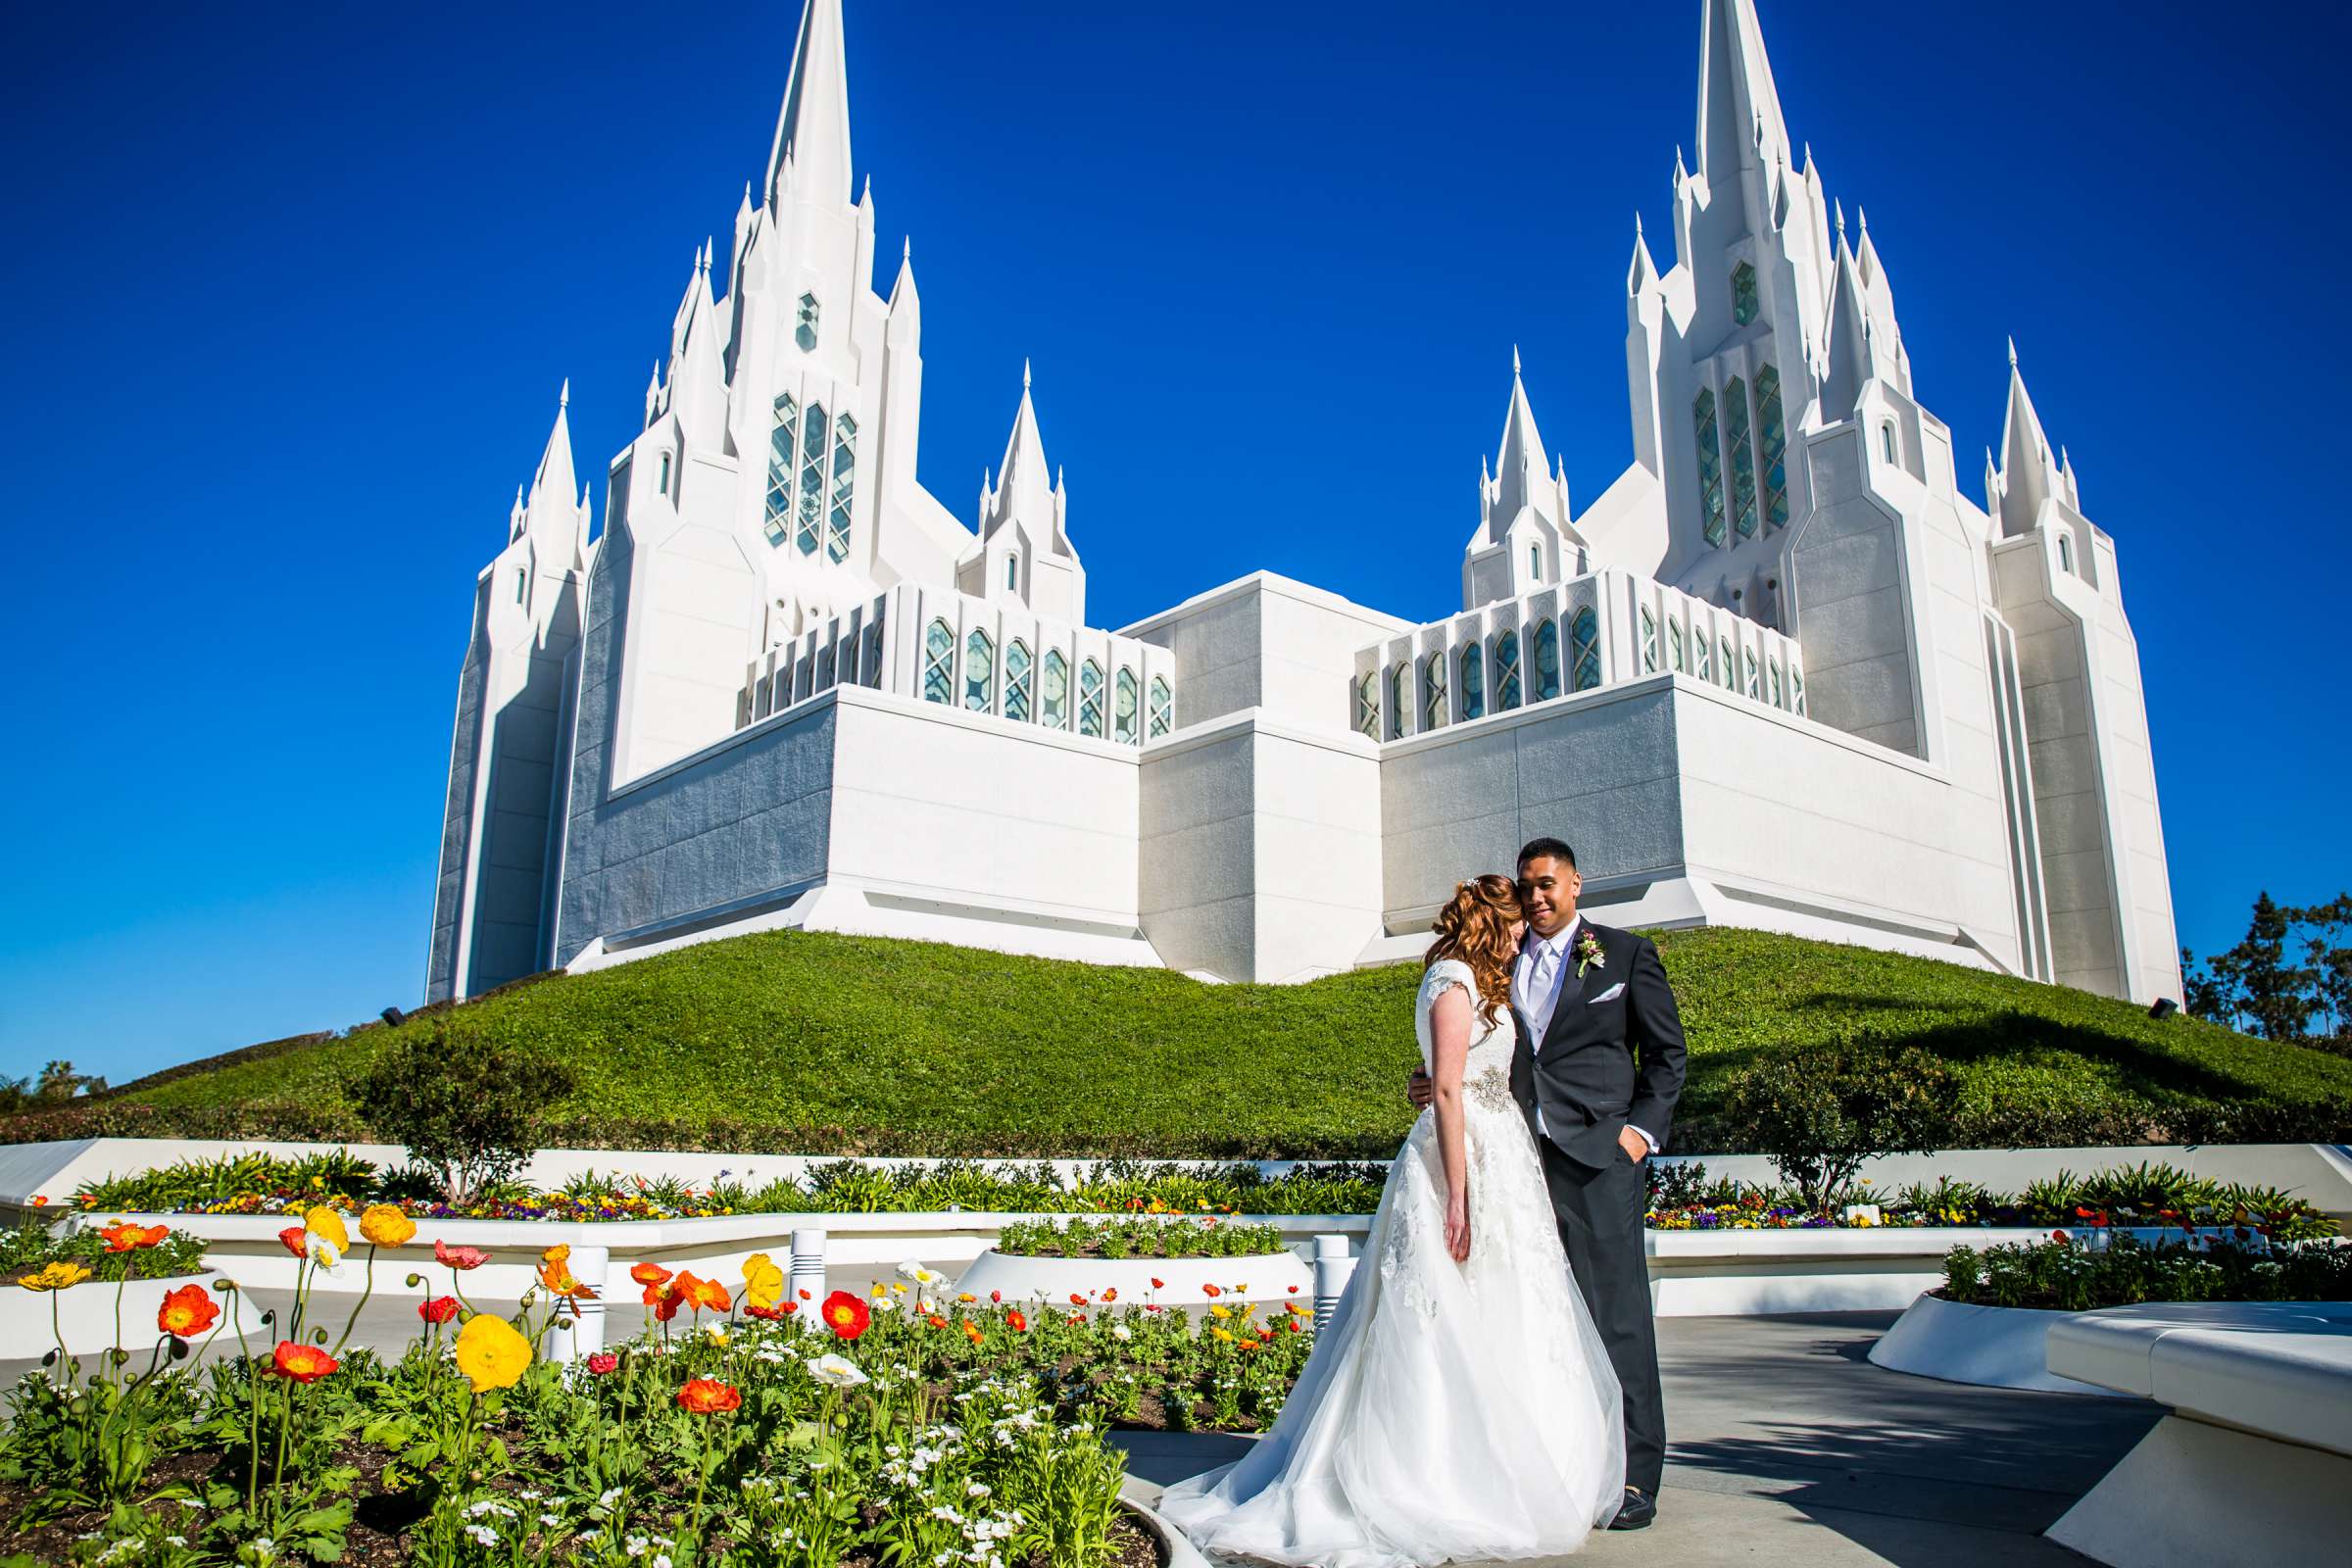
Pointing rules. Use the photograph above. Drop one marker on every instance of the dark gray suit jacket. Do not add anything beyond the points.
(1611, 1055)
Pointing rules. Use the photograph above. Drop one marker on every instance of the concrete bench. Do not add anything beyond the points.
(2254, 1463)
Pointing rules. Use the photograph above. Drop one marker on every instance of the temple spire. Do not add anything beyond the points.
(812, 133)
(2029, 473)
(1519, 462)
(1739, 108)
(1023, 489)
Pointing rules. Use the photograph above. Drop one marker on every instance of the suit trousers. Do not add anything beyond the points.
(1601, 1227)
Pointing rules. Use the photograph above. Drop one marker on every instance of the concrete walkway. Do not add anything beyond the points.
(1786, 1448)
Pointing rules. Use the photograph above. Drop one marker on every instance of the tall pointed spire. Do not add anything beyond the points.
(812, 133)
(1023, 487)
(551, 514)
(2029, 473)
(1738, 107)
(1847, 343)
(1642, 271)
(1519, 462)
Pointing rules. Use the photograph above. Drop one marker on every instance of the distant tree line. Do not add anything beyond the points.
(2289, 979)
(57, 1084)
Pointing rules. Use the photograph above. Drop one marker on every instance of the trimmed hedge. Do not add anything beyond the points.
(789, 1042)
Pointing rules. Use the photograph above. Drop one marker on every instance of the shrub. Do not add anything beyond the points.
(1820, 1114)
(464, 1103)
(1138, 1238)
(2058, 1275)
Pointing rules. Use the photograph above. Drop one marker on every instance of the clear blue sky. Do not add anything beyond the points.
(291, 290)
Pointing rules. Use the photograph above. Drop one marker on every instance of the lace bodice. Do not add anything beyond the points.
(1487, 1070)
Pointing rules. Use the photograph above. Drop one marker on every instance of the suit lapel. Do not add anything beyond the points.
(1571, 989)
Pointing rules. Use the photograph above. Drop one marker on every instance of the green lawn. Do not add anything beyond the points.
(825, 1044)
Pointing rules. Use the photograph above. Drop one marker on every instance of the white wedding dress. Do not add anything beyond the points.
(1450, 1410)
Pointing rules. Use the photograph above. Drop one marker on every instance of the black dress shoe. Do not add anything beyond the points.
(1639, 1509)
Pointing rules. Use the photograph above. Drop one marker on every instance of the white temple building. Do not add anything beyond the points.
(1780, 673)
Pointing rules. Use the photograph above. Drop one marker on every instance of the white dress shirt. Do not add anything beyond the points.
(1536, 981)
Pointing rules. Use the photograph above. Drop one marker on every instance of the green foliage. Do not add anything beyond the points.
(790, 1042)
(1820, 1114)
(464, 1099)
(2265, 985)
(197, 1182)
(32, 1243)
(2063, 1276)
(1138, 1238)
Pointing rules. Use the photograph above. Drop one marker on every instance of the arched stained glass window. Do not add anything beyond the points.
(1018, 673)
(1163, 707)
(1474, 680)
(1710, 466)
(783, 439)
(1548, 659)
(1772, 434)
(1053, 691)
(1753, 688)
(1584, 649)
(1367, 704)
(1506, 669)
(804, 329)
(1090, 699)
(979, 671)
(1126, 698)
(815, 435)
(938, 662)
(1397, 701)
(1701, 665)
(1772, 669)
(1649, 643)
(1743, 293)
(845, 480)
(1727, 666)
(1674, 645)
(1743, 457)
(1433, 691)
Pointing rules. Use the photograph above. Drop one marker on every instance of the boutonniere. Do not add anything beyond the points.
(1588, 952)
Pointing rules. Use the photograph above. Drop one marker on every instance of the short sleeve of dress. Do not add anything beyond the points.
(1447, 972)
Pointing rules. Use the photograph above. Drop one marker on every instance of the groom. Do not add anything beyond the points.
(1598, 1068)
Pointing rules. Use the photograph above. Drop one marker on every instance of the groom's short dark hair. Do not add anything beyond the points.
(1545, 848)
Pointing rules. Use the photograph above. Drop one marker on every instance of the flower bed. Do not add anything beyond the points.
(1176, 1237)
(2063, 1274)
(746, 1425)
(108, 1254)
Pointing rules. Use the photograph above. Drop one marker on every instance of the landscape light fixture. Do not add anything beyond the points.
(2165, 1008)
(392, 1016)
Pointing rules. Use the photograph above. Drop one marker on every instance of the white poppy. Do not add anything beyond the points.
(836, 1371)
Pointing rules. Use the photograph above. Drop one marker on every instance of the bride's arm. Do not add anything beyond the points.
(1450, 1036)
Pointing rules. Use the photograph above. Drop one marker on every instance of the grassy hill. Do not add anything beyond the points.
(824, 1044)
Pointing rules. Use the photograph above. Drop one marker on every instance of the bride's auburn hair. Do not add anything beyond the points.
(1475, 927)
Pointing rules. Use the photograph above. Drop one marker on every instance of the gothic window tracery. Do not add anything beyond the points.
(1124, 694)
(1017, 673)
(1753, 689)
(1163, 707)
(1053, 690)
(1474, 681)
(1433, 691)
(1730, 671)
(1548, 659)
(1368, 704)
(814, 432)
(979, 671)
(1649, 643)
(1743, 293)
(1772, 431)
(1772, 669)
(1506, 669)
(1743, 457)
(1710, 466)
(845, 479)
(1674, 645)
(938, 662)
(782, 441)
(1397, 701)
(1796, 690)
(1584, 649)
(1702, 666)
(804, 331)
(1090, 699)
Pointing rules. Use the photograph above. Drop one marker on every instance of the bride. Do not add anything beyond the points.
(1459, 1404)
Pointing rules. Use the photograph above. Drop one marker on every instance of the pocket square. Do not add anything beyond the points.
(1609, 994)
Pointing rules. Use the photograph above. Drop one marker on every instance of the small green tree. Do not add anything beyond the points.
(465, 1103)
(2273, 994)
(1820, 1114)
(2329, 948)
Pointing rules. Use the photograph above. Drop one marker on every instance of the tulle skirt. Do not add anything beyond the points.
(1450, 1410)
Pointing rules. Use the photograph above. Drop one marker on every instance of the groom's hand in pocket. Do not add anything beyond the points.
(1636, 1147)
(1419, 1090)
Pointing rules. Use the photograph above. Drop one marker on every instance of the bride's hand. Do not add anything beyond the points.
(1458, 1228)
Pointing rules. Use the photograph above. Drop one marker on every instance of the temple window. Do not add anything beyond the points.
(1584, 649)
(1017, 672)
(1743, 293)
(1710, 466)
(938, 662)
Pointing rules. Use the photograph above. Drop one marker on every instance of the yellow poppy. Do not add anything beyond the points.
(490, 1353)
(327, 1225)
(386, 1226)
(57, 1276)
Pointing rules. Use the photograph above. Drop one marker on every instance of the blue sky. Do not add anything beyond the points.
(292, 290)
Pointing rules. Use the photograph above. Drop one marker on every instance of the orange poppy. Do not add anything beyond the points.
(303, 1363)
(124, 1237)
(188, 1312)
(649, 1274)
(709, 1395)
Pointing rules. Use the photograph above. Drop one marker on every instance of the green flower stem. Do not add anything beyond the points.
(366, 1289)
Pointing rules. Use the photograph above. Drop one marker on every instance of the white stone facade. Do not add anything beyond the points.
(1780, 674)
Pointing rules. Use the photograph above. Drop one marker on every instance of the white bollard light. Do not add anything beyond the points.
(808, 1273)
(573, 1338)
(1333, 1266)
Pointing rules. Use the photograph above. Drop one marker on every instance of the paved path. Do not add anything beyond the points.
(1786, 1448)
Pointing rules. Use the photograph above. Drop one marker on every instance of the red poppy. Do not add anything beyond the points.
(664, 1298)
(294, 1241)
(1212, 1292)
(936, 1321)
(602, 1362)
(807, 1296)
(1076, 1300)
(1160, 1285)
(709, 1395)
(846, 1315)
(459, 1257)
(791, 1307)
(1075, 1317)
(124, 1237)
(1294, 1325)
(1111, 1294)
(303, 1363)
(2060, 1236)
(996, 1296)
(649, 1274)
(1293, 1289)
(771, 1313)
(1014, 1321)
(439, 1310)
(188, 1312)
